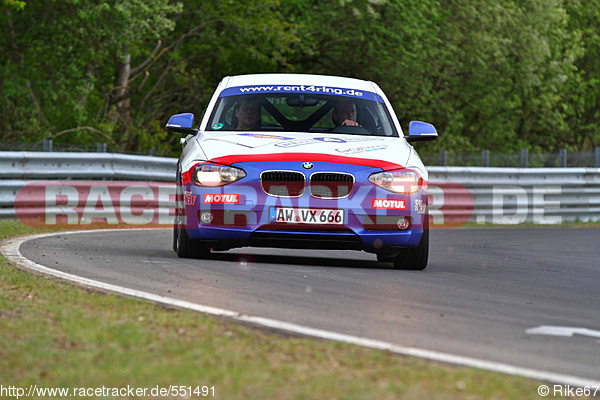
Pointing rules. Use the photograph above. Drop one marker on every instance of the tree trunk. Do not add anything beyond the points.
(121, 97)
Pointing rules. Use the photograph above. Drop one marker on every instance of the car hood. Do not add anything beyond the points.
(252, 146)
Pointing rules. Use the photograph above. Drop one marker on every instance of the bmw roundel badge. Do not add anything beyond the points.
(307, 165)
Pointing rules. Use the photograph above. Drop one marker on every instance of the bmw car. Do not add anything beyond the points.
(301, 161)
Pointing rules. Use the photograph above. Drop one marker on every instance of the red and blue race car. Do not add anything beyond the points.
(301, 161)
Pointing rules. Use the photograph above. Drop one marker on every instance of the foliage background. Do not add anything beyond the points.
(500, 74)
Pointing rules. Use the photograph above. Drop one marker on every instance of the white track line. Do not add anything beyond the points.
(10, 249)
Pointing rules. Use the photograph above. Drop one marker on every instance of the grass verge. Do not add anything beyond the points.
(56, 334)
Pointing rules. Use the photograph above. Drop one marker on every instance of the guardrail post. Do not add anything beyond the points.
(443, 160)
(47, 145)
(485, 158)
(524, 158)
(562, 158)
(101, 147)
(597, 157)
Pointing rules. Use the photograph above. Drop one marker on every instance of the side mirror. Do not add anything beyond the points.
(420, 132)
(182, 123)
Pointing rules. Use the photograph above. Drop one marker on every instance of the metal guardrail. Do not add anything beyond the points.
(522, 159)
(457, 194)
(89, 166)
(514, 195)
(20, 168)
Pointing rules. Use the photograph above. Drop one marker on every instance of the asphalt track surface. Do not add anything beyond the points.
(482, 290)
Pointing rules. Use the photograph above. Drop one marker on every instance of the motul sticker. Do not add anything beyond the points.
(218, 198)
(388, 204)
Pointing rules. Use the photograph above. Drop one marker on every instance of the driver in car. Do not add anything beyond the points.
(248, 115)
(344, 113)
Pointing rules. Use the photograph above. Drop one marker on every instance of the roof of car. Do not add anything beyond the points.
(299, 79)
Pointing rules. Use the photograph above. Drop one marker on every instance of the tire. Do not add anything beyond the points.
(178, 196)
(414, 258)
(385, 258)
(189, 248)
(175, 230)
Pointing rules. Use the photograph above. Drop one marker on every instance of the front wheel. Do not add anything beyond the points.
(189, 248)
(414, 258)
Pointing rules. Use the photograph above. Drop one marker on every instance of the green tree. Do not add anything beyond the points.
(584, 99)
(487, 74)
(211, 41)
(112, 71)
(501, 75)
(505, 70)
(66, 70)
(14, 4)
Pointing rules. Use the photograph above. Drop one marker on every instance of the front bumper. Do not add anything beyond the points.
(239, 214)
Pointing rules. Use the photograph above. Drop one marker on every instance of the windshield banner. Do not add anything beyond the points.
(307, 89)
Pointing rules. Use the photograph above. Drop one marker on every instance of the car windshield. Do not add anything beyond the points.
(302, 112)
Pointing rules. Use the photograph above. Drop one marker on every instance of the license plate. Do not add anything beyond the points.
(306, 216)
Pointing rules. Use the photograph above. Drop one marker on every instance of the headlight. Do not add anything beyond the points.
(216, 175)
(405, 181)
